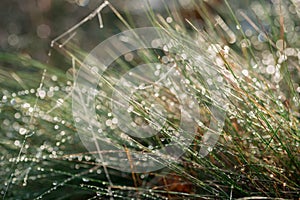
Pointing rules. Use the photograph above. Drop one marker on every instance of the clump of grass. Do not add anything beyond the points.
(256, 52)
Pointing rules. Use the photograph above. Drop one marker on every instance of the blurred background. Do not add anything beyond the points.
(28, 26)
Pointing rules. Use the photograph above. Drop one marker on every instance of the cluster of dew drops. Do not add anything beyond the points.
(19, 124)
(30, 142)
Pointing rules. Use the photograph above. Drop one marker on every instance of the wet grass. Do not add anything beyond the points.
(255, 50)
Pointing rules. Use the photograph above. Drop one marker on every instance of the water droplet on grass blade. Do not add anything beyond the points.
(22, 131)
(59, 102)
(41, 94)
(245, 72)
(270, 69)
(85, 179)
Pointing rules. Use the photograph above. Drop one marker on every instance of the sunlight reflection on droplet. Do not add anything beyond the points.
(22, 131)
(245, 72)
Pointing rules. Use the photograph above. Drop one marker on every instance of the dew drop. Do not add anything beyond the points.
(169, 20)
(4, 98)
(245, 72)
(17, 143)
(50, 93)
(270, 69)
(12, 101)
(85, 180)
(114, 121)
(22, 131)
(59, 102)
(280, 44)
(54, 78)
(209, 149)
(108, 122)
(17, 115)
